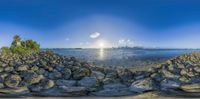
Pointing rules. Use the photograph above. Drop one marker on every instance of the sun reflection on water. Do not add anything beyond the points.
(101, 53)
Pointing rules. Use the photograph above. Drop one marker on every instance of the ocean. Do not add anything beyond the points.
(123, 57)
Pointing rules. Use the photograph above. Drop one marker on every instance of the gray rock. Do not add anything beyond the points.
(35, 88)
(79, 73)
(8, 69)
(17, 90)
(125, 74)
(55, 75)
(68, 83)
(66, 73)
(169, 84)
(74, 91)
(142, 85)
(48, 84)
(99, 75)
(22, 68)
(88, 82)
(113, 93)
(12, 81)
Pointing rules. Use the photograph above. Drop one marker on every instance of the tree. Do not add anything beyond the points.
(16, 40)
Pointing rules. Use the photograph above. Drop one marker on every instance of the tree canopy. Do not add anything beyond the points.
(19, 46)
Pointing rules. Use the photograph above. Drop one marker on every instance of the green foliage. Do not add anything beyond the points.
(32, 45)
(5, 50)
(21, 47)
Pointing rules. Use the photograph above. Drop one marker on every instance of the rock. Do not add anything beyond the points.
(115, 86)
(55, 75)
(12, 81)
(68, 83)
(22, 68)
(142, 85)
(79, 73)
(125, 74)
(113, 90)
(1, 69)
(169, 84)
(191, 87)
(88, 82)
(35, 88)
(47, 84)
(110, 80)
(168, 74)
(8, 69)
(66, 73)
(17, 90)
(157, 77)
(35, 79)
(35, 68)
(99, 75)
(74, 91)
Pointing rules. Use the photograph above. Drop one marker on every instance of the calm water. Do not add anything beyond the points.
(121, 57)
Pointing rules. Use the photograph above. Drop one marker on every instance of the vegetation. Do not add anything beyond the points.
(21, 47)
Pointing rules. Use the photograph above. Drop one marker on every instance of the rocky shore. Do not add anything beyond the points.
(50, 74)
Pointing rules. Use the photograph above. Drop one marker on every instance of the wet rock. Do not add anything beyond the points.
(67, 83)
(88, 82)
(12, 81)
(142, 85)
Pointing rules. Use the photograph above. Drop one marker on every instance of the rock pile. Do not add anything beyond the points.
(50, 74)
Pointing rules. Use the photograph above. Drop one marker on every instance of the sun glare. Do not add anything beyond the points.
(101, 45)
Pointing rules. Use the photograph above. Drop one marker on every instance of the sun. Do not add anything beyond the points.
(101, 45)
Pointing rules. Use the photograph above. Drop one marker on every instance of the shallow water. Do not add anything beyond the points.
(124, 57)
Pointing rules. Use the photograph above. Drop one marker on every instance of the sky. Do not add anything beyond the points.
(102, 23)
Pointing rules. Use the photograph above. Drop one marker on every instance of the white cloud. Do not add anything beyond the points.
(95, 35)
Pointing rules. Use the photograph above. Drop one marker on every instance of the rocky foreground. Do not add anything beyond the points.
(50, 74)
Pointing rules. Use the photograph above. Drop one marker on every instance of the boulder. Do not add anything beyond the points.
(191, 87)
(22, 68)
(12, 81)
(79, 73)
(55, 75)
(47, 84)
(99, 75)
(169, 84)
(74, 91)
(116, 89)
(17, 90)
(142, 85)
(125, 74)
(88, 82)
(66, 73)
(68, 83)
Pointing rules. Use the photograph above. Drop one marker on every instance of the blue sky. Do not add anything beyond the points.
(91, 23)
